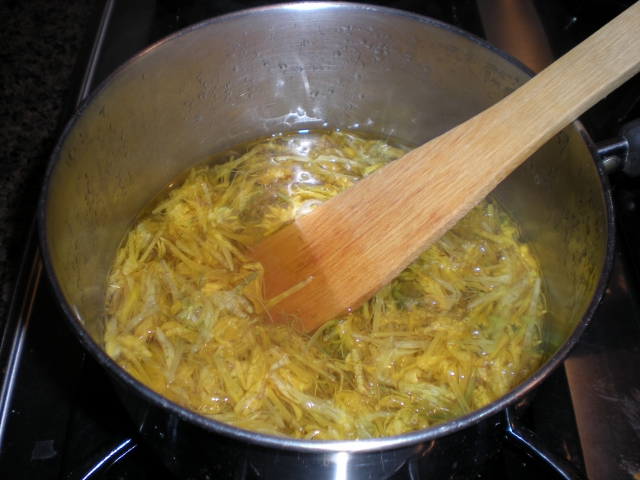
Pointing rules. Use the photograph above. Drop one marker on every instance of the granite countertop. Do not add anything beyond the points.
(40, 42)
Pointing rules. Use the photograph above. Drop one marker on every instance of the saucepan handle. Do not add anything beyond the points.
(622, 152)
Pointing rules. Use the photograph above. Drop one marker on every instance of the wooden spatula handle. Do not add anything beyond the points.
(360, 240)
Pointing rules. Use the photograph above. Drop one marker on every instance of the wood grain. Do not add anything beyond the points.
(360, 240)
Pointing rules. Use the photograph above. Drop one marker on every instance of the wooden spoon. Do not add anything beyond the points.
(336, 257)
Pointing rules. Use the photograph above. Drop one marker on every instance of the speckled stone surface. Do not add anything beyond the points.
(39, 45)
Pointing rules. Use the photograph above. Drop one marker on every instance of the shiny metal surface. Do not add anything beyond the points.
(605, 384)
(515, 27)
(291, 68)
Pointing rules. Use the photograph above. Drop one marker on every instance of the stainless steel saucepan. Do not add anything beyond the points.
(294, 67)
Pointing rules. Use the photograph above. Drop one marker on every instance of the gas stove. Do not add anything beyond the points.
(61, 419)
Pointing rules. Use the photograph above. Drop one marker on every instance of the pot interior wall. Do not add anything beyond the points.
(293, 68)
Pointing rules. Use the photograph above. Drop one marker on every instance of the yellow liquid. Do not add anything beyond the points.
(184, 312)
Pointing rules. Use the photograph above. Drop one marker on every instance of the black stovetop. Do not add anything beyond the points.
(61, 419)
